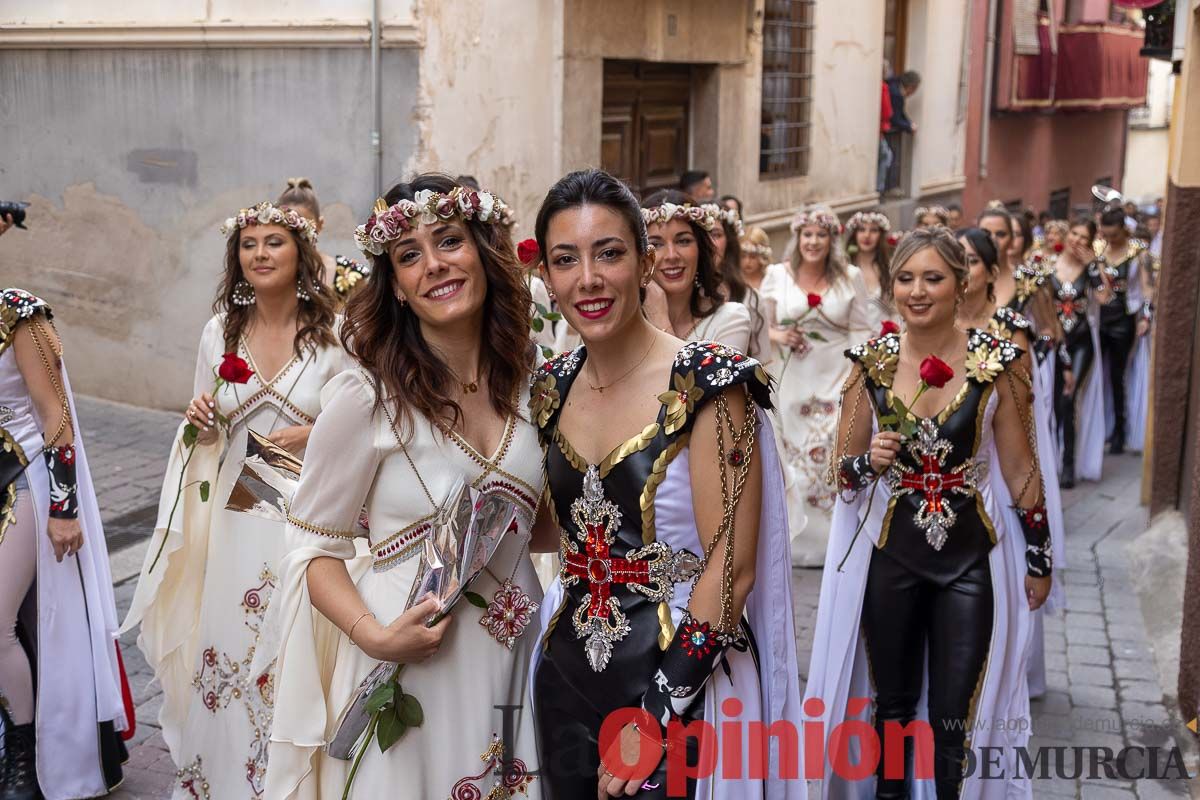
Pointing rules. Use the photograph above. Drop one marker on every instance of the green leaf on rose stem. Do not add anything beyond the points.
(190, 432)
(817, 336)
(541, 309)
(475, 599)
(907, 427)
(204, 487)
(411, 713)
(787, 322)
(552, 316)
(888, 421)
(537, 324)
(390, 729)
(547, 352)
(384, 693)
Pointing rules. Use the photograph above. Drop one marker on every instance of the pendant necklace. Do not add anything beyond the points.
(623, 375)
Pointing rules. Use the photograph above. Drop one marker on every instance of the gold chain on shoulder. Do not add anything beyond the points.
(65, 420)
(834, 463)
(1026, 415)
(731, 493)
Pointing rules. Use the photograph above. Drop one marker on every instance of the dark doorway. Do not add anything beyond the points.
(644, 128)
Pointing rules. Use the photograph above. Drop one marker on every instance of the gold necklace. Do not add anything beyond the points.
(468, 387)
(623, 376)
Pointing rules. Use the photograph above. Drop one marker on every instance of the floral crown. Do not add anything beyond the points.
(755, 249)
(727, 216)
(941, 212)
(817, 216)
(864, 218)
(661, 215)
(427, 207)
(267, 213)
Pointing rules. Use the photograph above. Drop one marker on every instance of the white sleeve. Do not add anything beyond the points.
(860, 308)
(212, 345)
(731, 326)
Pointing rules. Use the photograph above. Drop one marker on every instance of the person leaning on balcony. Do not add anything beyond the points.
(901, 87)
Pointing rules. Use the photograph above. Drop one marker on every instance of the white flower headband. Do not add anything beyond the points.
(941, 212)
(864, 218)
(267, 213)
(754, 249)
(826, 219)
(661, 215)
(428, 207)
(726, 215)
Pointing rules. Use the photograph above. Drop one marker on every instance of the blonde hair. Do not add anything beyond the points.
(757, 243)
(300, 194)
(835, 260)
(943, 241)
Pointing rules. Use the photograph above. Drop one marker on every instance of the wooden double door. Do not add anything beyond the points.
(645, 123)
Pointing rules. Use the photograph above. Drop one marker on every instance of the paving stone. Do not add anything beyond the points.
(1090, 675)
(1134, 668)
(1092, 791)
(1078, 654)
(1093, 697)
(1141, 691)
(1083, 635)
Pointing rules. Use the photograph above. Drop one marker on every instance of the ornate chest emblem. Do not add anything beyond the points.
(652, 571)
(934, 516)
(1071, 306)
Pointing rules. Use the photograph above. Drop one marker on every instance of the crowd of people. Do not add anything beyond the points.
(678, 419)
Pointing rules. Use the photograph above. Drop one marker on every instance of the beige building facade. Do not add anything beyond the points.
(195, 108)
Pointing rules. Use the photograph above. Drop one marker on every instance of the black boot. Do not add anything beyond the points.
(1067, 479)
(892, 787)
(18, 781)
(1118, 440)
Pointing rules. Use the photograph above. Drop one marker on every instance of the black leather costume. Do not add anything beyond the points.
(929, 582)
(600, 656)
(1118, 332)
(1071, 304)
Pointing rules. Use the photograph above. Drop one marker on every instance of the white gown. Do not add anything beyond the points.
(354, 459)
(810, 382)
(76, 672)
(729, 325)
(200, 626)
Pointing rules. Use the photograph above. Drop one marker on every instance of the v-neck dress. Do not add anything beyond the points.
(201, 608)
(472, 690)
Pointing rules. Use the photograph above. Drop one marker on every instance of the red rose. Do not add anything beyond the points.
(234, 369)
(814, 299)
(888, 327)
(935, 372)
(1058, 247)
(893, 239)
(527, 251)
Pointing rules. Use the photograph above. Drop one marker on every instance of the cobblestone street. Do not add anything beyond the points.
(1102, 678)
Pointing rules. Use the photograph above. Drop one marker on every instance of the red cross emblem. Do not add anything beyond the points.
(932, 482)
(934, 516)
(597, 566)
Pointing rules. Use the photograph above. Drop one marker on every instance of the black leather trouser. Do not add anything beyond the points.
(1082, 355)
(1117, 337)
(903, 613)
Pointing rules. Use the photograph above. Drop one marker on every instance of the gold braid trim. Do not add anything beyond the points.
(831, 472)
(323, 531)
(573, 458)
(1025, 411)
(64, 423)
(658, 473)
(628, 448)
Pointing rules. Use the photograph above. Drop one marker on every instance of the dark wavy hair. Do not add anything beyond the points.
(708, 273)
(591, 187)
(385, 336)
(315, 315)
(985, 248)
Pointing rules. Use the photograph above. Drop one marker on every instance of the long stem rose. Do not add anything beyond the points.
(233, 370)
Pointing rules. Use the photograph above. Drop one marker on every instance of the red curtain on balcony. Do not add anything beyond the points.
(1100, 66)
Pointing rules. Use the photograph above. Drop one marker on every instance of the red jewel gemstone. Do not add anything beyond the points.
(707, 360)
(737, 457)
(739, 357)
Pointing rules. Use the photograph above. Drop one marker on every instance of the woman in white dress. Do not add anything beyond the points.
(869, 247)
(686, 271)
(60, 703)
(822, 307)
(209, 573)
(441, 333)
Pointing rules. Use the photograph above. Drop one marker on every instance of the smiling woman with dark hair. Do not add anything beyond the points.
(441, 334)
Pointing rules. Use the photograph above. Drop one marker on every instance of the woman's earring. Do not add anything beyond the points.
(401, 299)
(243, 294)
(301, 292)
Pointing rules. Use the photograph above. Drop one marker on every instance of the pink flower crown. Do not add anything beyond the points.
(427, 207)
(728, 216)
(267, 213)
(864, 218)
(817, 216)
(661, 215)
(941, 212)
(754, 249)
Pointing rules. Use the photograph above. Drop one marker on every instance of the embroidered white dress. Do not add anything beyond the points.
(353, 459)
(201, 607)
(810, 381)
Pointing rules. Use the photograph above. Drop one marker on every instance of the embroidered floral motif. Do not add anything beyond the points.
(509, 614)
(347, 274)
(680, 401)
(1005, 322)
(510, 777)
(697, 638)
(192, 781)
(879, 358)
(17, 305)
(1070, 305)
(1030, 276)
(987, 356)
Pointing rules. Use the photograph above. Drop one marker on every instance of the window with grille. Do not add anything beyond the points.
(787, 75)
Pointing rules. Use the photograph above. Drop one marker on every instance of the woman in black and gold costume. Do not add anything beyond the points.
(958, 550)
(655, 591)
